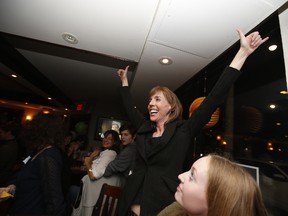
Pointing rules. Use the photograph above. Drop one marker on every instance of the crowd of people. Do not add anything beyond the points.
(42, 185)
(147, 161)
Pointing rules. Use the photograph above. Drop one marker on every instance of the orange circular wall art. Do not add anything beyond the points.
(214, 117)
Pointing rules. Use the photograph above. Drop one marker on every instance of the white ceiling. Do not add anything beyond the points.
(192, 33)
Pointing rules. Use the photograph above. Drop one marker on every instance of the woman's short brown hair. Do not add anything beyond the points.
(171, 97)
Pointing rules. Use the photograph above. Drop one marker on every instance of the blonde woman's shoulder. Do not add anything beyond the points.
(173, 209)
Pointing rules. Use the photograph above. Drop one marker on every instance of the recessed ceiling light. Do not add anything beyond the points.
(46, 111)
(272, 47)
(272, 106)
(70, 38)
(14, 75)
(28, 117)
(283, 92)
(165, 60)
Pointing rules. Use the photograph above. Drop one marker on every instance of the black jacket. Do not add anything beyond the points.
(124, 162)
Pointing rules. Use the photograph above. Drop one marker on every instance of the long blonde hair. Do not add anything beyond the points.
(232, 190)
(171, 97)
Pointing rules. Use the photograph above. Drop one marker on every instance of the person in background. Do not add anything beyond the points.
(124, 162)
(69, 137)
(164, 140)
(74, 150)
(216, 186)
(9, 150)
(115, 127)
(95, 165)
(38, 186)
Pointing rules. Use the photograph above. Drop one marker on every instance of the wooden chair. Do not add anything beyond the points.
(107, 203)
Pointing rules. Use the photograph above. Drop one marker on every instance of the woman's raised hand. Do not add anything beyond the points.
(248, 44)
(122, 73)
(251, 42)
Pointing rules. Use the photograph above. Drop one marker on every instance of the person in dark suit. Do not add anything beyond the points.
(38, 185)
(164, 140)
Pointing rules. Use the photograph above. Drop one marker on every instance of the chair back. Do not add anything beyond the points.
(107, 203)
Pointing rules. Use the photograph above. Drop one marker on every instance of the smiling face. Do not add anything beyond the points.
(192, 190)
(108, 141)
(159, 108)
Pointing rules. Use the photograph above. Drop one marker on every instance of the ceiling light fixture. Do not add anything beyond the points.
(28, 117)
(272, 47)
(46, 111)
(272, 106)
(70, 38)
(283, 92)
(165, 60)
(14, 75)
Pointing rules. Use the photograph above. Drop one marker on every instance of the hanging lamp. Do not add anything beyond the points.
(196, 103)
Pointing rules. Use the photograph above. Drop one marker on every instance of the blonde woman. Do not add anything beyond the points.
(216, 186)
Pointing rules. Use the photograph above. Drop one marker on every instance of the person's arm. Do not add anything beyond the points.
(122, 162)
(88, 161)
(99, 167)
(248, 45)
(135, 117)
(88, 167)
(220, 90)
(122, 73)
(9, 189)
